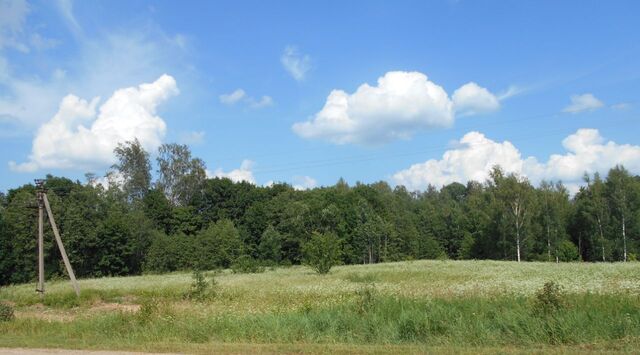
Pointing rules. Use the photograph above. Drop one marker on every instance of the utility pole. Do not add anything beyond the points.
(39, 192)
(43, 203)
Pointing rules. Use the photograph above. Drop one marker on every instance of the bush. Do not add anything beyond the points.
(246, 265)
(217, 246)
(322, 252)
(6, 312)
(549, 299)
(567, 251)
(201, 290)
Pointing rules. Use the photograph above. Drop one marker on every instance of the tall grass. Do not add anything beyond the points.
(423, 303)
(384, 320)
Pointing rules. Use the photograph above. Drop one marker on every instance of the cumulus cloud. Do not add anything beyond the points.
(233, 97)
(584, 102)
(586, 151)
(139, 55)
(304, 182)
(471, 99)
(240, 95)
(244, 173)
(471, 160)
(400, 104)
(296, 63)
(81, 137)
(262, 102)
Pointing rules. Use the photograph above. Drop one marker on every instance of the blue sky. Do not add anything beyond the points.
(555, 93)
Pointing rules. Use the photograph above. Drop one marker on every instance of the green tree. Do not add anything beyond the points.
(622, 196)
(554, 210)
(515, 194)
(134, 168)
(180, 176)
(217, 246)
(270, 247)
(157, 208)
(322, 252)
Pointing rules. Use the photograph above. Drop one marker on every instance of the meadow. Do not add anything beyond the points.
(408, 307)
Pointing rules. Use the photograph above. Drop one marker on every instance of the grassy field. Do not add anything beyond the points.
(407, 307)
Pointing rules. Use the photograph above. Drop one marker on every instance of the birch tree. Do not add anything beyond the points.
(516, 194)
(619, 189)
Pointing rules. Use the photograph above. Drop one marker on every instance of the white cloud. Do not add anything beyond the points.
(78, 138)
(471, 99)
(65, 7)
(586, 151)
(584, 102)
(240, 95)
(244, 173)
(13, 15)
(192, 138)
(304, 182)
(511, 91)
(139, 55)
(232, 98)
(400, 104)
(472, 160)
(264, 101)
(621, 106)
(295, 62)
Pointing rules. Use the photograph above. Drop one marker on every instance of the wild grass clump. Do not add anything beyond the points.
(359, 277)
(6, 312)
(365, 299)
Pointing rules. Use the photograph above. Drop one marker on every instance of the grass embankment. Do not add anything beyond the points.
(406, 307)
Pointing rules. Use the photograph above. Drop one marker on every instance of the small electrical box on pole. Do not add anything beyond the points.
(43, 204)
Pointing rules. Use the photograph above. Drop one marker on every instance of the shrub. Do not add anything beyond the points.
(567, 251)
(217, 246)
(201, 290)
(6, 312)
(169, 253)
(246, 265)
(549, 299)
(322, 252)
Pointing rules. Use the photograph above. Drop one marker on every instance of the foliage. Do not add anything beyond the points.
(549, 299)
(180, 175)
(246, 265)
(184, 220)
(322, 252)
(201, 289)
(567, 251)
(6, 312)
(134, 168)
(217, 246)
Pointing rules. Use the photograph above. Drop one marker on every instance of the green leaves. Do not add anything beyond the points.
(322, 252)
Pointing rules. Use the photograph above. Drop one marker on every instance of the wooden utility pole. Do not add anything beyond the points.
(40, 239)
(43, 202)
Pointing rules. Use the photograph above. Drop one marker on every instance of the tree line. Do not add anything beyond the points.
(184, 220)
